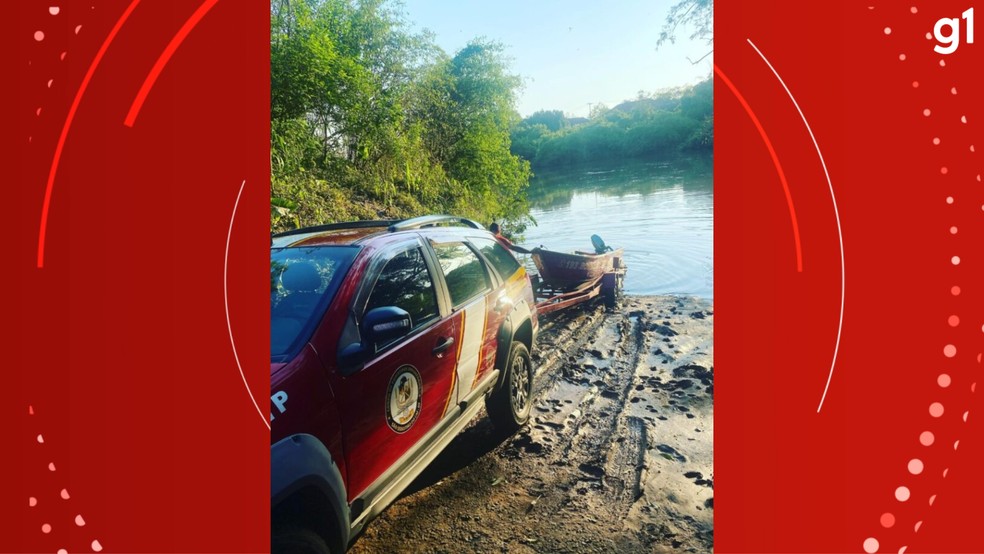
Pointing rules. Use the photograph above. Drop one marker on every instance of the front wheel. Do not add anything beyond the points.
(292, 539)
(509, 405)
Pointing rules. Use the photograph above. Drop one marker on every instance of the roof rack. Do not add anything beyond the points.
(430, 221)
(391, 225)
(337, 226)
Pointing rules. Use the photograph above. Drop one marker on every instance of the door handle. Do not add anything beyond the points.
(442, 344)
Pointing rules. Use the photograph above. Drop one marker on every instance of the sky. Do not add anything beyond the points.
(571, 54)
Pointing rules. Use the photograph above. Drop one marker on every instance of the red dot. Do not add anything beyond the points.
(955, 290)
(887, 520)
(953, 321)
(944, 170)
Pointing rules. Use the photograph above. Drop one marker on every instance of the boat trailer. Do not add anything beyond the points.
(609, 285)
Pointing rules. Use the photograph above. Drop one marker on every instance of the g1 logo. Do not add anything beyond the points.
(948, 44)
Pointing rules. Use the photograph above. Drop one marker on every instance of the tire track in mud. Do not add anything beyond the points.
(627, 463)
(615, 449)
(588, 474)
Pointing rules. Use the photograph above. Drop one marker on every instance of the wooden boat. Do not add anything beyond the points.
(569, 271)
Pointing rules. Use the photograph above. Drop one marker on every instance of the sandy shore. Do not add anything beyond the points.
(618, 455)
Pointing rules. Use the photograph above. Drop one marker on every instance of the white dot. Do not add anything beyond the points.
(51, 466)
(942, 63)
(943, 380)
(953, 230)
(955, 260)
(888, 30)
(53, 10)
(77, 29)
(963, 119)
(915, 466)
(953, 90)
(929, 36)
(64, 494)
(902, 494)
(926, 438)
(913, 9)
(972, 149)
(926, 112)
(949, 200)
(936, 140)
(871, 545)
(62, 551)
(79, 521)
(902, 57)
(40, 439)
(46, 528)
(32, 502)
(39, 35)
(96, 547)
(944, 170)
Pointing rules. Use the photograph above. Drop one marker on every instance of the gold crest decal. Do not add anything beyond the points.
(403, 398)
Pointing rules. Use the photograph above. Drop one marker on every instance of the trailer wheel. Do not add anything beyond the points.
(613, 295)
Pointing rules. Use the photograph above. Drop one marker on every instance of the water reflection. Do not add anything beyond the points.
(661, 213)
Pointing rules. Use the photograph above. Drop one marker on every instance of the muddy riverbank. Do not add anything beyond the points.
(618, 455)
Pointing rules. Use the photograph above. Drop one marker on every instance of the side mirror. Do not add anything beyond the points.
(382, 325)
(379, 326)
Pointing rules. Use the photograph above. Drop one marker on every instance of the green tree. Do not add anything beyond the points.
(698, 14)
(370, 119)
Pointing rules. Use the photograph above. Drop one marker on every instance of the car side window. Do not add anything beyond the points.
(500, 258)
(406, 283)
(463, 271)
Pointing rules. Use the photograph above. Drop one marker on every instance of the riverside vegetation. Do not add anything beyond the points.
(370, 119)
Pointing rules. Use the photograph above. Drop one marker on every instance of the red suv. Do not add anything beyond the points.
(386, 337)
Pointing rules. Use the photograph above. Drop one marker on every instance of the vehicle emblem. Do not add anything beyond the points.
(403, 398)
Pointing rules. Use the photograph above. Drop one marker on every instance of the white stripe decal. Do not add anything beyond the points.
(471, 345)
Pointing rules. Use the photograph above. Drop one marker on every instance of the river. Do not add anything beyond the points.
(662, 214)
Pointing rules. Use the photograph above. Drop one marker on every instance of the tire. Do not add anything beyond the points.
(290, 539)
(509, 405)
(613, 295)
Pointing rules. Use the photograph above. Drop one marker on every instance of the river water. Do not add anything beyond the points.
(662, 214)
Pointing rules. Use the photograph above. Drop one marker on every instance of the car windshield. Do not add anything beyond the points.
(303, 282)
